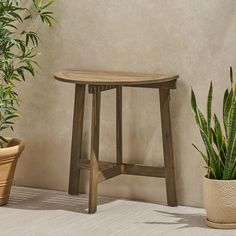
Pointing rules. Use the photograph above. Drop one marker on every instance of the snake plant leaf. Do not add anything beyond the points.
(211, 152)
(218, 133)
(233, 175)
(231, 149)
(205, 157)
(220, 144)
(203, 124)
(227, 107)
(193, 101)
(209, 104)
(210, 170)
(194, 106)
(226, 94)
(231, 75)
(214, 137)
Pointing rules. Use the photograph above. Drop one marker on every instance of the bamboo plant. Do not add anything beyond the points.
(17, 53)
(220, 143)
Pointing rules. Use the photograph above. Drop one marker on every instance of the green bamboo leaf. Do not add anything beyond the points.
(3, 139)
(28, 17)
(47, 4)
(17, 54)
(11, 116)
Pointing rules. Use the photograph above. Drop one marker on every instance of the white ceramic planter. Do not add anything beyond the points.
(220, 203)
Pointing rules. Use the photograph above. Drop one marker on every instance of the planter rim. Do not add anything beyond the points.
(219, 180)
(16, 147)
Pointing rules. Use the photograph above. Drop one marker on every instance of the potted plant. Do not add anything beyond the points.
(17, 61)
(219, 185)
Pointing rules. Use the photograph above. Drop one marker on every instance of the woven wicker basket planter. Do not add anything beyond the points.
(220, 203)
(8, 159)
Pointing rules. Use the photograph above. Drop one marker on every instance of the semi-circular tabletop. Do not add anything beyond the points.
(111, 78)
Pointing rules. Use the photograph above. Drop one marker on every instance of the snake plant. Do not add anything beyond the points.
(18, 44)
(220, 143)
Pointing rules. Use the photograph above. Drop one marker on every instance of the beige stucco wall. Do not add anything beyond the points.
(195, 39)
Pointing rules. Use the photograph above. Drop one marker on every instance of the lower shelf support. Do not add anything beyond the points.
(109, 170)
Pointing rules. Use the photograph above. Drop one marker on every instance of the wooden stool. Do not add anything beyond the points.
(98, 82)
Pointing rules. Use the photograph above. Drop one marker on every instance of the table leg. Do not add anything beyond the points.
(119, 125)
(94, 155)
(76, 139)
(167, 147)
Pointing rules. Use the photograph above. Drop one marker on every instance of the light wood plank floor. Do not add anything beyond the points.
(36, 212)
